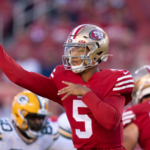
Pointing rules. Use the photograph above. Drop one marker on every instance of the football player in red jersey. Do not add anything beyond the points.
(93, 99)
(136, 119)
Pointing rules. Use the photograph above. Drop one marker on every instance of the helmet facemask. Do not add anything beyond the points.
(77, 50)
(34, 129)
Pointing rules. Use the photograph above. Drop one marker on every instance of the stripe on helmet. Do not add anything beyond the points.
(71, 34)
(75, 31)
(42, 104)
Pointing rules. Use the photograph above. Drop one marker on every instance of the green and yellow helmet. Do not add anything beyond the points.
(27, 103)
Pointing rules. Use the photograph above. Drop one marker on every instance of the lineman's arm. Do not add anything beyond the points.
(34, 82)
(131, 135)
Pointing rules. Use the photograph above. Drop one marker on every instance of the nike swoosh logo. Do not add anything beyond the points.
(125, 72)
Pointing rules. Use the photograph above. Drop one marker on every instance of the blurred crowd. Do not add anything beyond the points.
(33, 32)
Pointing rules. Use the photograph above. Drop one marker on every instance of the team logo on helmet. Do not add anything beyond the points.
(22, 99)
(96, 35)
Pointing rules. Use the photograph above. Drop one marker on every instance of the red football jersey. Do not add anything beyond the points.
(96, 117)
(140, 115)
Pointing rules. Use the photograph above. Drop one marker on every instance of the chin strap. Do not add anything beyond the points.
(80, 68)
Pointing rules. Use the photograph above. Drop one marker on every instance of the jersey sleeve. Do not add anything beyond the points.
(128, 117)
(124, 84)
(34, 82)
(107, 112)
(54, 127)
(64, 140)
(64, 128)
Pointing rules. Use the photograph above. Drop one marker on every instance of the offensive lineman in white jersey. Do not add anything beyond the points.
(64, 141)
(28, 129)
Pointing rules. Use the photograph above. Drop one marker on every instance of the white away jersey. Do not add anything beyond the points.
(64, 141)
(11, 140)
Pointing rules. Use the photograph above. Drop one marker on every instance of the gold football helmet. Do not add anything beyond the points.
(141, 83)
(26, 104)
(91, 38)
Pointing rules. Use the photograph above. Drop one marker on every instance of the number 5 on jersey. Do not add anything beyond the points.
(82, 118)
